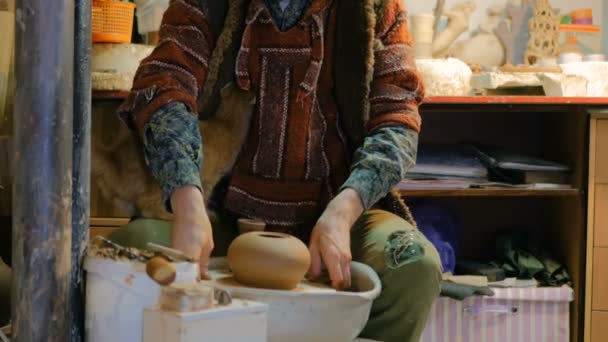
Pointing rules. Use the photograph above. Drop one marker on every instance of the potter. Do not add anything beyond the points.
(323, 123)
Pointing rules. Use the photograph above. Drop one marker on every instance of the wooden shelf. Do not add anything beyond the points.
(446, 100)
(108, 221)
(109, 95)
(490, 192)
(525, 100)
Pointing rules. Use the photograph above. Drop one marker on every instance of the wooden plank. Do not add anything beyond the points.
(599, 326)
(599, 114)
(601, 216)
(100, 231)
(599, 296)
(7, 25)
(601, 154)
(109, 95)
(490, 192)
(537, 100)
(108, 221)
(590, 230)
(6, 176)
(455, 100)
(563, 234)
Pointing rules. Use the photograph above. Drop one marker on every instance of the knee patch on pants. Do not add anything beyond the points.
(404, 247)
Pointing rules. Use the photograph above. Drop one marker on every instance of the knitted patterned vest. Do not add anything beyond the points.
(295, 157)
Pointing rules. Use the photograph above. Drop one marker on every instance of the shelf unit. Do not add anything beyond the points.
(451, 104)
(552, 128)
(490, 192)
(596, 297)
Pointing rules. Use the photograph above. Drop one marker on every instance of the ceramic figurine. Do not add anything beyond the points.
(268, 260)
(437, 12)
(544, 33)
(513, 31)
(484, 47)
(458, 23)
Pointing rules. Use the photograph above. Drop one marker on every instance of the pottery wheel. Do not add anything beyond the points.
(225, 279)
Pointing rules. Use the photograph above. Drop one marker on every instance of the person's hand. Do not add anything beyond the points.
(330, 239)
(191, 233)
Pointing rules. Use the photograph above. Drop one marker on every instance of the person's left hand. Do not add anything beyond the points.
(330, 239)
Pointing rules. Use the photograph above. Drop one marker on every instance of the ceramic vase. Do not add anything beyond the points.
(422, 34)
(268, 260)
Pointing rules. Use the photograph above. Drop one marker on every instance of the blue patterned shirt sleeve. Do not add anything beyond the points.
(382, 162)
(173, 149)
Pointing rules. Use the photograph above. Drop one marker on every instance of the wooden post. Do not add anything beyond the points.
(81, 163)
(42, 190)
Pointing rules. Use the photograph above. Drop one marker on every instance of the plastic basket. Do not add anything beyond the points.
(112, 21)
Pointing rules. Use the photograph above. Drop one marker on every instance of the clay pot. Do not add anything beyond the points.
(268, 260)
(248, 226)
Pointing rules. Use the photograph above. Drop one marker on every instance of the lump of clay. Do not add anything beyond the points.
(186, 297)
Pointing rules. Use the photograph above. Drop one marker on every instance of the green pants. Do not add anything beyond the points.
(407, 263)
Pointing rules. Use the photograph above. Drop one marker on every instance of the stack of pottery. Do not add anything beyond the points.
(422, 34)
(582, 16)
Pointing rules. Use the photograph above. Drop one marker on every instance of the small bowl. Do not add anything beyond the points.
(594, 58)
(570, 57)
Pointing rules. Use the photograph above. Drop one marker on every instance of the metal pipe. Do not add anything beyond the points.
(42, 189)
(81, 176)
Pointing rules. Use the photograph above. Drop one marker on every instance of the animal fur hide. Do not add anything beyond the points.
(123, 177)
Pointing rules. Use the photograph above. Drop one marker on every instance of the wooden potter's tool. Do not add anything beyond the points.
(170, 252)
(161, 271)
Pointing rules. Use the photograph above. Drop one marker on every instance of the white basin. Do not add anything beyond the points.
(311, 312)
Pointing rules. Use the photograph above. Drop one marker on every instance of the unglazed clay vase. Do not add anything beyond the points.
(268, 260)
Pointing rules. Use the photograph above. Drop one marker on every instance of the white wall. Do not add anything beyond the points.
(605, 27)
(565, 6)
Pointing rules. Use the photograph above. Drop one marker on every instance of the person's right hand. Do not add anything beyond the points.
(191, 233)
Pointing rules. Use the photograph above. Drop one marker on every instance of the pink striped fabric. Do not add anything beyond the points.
(511, 315)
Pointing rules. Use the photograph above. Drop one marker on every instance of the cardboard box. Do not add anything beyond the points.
(513, 314)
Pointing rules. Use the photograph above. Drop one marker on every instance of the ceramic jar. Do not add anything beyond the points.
(422, 33)
(268, 260)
